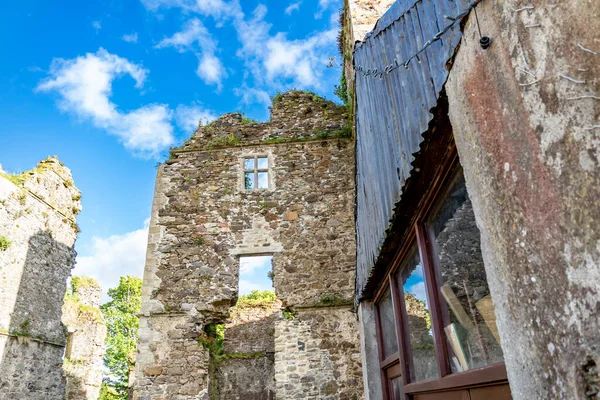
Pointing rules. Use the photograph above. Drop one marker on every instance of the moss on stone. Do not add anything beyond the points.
(223, 141)
(83, 282)
(4, 243)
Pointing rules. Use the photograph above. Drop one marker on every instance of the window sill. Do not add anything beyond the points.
(481, 376)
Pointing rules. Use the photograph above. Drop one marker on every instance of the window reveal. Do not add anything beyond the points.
(256, 173)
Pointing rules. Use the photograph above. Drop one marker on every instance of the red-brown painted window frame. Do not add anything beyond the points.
(420, 234)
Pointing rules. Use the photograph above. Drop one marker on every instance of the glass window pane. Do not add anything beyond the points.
(467, 308)
(249, 180)
(263, 163)
(249, 164)
(263, 180)
(397, 389)
(419, 320)
(388, 325)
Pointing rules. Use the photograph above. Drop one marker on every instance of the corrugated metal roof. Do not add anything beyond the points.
(392, 110)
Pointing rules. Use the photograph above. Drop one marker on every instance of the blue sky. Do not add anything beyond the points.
(109, 86)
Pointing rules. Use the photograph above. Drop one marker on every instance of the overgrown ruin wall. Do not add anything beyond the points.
(84, 355)
(525, 116)
(203, 220)
(37, 232)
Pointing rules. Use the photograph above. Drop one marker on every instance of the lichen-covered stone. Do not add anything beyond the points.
(37, 225)
(84, 355)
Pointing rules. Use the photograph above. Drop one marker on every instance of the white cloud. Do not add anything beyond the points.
(248, 265)
(85, 85)
(272, 62)
(218, 9)
(293, 7)
(114, 256)
(246, 287)
(277, 61)
(188, 117)
(97, 26)
(419, 291)
(130, 38)
(195, 37)
(323, 6)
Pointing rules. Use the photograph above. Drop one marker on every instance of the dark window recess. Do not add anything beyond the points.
(256, 173)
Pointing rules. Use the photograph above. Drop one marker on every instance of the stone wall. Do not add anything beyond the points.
(317, 355)
(525, 116)
(84, 355)
(246, 370)
(364, 15)
(203, 221)
(38, 209)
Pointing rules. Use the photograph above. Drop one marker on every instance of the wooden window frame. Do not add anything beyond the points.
(419, 234)
(255, 171)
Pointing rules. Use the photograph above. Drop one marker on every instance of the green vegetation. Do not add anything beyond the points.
(331, 300)
(273, 140)
(198, 239)
(277, 98)
(257, 298)
(83, 282)
(341, 90)
(289, 315)
(22, 197)
(246, 120)
(17, 179)
(77, 197)
(122, 322)
(223, 141)
(4, 243)
(107, 392)
(344, 132)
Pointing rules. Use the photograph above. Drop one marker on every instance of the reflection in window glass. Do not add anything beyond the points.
(249, 164)
(263, 163)
(467, 309)
(396, 388)
(388, 325)
(249, 180)
(263, 180)
(419, 320)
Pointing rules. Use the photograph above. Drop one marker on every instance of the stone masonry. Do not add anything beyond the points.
(203, 220)
(85, 350)
(38, 209)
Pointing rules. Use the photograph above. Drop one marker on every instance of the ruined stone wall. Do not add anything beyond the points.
(85, 350)
(203, 220)
(525, 116)
(246, 370)
(37, 232)
(317, 355)
(364, 15)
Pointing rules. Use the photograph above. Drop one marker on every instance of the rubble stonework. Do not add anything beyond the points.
(85, 350)
(38, 210)
(203, 220)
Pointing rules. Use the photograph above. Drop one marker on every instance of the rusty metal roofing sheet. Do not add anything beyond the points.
(393, 110)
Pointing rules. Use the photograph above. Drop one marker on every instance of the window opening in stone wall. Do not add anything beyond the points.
(256, 172)
(256, 273)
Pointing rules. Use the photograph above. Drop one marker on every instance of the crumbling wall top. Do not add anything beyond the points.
(295, 115)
